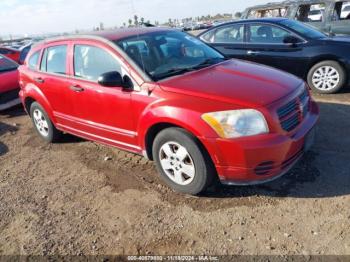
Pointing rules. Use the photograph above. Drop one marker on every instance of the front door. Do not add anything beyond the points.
(101, 113)
(265, 45)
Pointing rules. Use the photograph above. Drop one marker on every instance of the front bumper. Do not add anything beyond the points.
(9, 99)
(260, 159)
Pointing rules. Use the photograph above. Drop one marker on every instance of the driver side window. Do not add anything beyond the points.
(91, 62)
(267, 34)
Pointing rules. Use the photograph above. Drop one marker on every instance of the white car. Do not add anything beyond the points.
(315, 15)
(345, 13)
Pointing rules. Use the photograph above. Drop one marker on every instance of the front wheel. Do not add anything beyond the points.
(182, 162)
(327, 77)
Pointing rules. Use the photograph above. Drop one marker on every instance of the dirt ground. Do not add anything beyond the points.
(65, 199)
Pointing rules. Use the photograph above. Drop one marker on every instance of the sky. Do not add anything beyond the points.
(18, 17)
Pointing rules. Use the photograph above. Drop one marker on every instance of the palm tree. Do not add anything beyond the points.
(136, 20)
(130, 22)
(142, 20)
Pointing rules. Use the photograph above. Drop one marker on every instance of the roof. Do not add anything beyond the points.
(112, 35)
(265, 19)
(121, 33)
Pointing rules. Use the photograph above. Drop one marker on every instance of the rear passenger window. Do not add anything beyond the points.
(91, 62)
(33, 60)
(55, 60)
(229, 34)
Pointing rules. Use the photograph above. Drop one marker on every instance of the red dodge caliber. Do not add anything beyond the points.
(170, 97)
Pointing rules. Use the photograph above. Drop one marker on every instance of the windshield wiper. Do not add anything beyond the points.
(174, 72)
(180, 71)
(208, 62)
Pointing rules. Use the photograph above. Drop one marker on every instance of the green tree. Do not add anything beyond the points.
(136, 20)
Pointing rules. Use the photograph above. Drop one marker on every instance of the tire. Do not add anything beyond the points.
(42, 124)
(327, 77)
(170, 157)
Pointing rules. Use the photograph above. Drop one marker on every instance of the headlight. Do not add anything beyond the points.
(237, 123)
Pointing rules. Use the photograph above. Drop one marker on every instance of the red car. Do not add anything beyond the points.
(172, 98)
(10, 53)
(9, 87)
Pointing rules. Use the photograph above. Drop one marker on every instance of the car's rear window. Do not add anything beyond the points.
(7, 65)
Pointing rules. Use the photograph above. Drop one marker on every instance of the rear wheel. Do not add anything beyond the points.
(43, 124)
(182, 162)
(327, 77)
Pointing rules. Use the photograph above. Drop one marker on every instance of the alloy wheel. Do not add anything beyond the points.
(41, 122)
(177, 163)
(326, 78)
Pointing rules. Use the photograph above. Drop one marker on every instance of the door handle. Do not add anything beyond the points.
(250, 52)
(39, 80)
(77, 88)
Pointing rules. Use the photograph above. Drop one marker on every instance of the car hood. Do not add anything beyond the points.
(8, 81)
(235, 81)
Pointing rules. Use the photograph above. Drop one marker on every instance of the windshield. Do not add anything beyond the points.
(6, 64)
(304, 30)
(169, 53)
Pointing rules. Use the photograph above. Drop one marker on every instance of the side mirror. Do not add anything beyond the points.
(114, 79)
(291, 40)
(110, 79)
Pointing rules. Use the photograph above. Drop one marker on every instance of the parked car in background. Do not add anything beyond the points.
(345, 14)
(24, 50)
(315, 15)
(170, 97)
(334, 17)
(9, 87)
(323, 61)
(10, 53)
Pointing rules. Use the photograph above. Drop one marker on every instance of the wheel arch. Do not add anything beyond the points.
(156, 128)
(33, 94)
(323, 58)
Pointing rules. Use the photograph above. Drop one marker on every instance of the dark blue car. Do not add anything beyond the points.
(322, 60)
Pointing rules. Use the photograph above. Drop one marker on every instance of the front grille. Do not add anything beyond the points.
(292, 114)
(9, 96)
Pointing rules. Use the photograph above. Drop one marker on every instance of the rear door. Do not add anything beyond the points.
(52, 79)
(265, 45)
(101, 113)
(227, 39)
